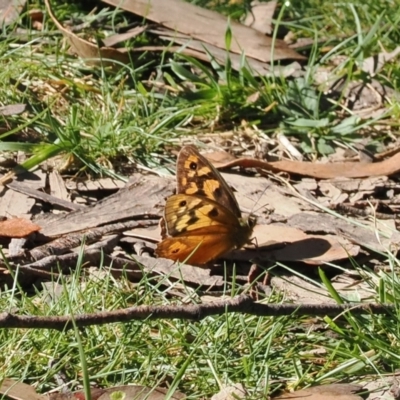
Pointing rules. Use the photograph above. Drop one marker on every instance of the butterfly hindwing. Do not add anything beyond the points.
(199, 248)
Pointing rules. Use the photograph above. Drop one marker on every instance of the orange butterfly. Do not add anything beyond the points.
(203, 220)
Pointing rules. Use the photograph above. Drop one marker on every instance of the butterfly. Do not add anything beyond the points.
(203, 220)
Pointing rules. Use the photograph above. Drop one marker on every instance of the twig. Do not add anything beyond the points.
(196, 312)
(363, 212)
(65, 243)
(48, 198)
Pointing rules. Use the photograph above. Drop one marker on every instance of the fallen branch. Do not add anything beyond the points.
(242, 304)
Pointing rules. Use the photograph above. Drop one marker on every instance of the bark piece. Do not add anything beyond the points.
(15, 204)
(144, 195)
(57, 186)
(36, 194)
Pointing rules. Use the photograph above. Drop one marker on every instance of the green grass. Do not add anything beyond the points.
(101, 121)
(263, 353)
(101, 118)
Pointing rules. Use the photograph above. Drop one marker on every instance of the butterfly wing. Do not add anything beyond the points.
(200, 226)
(185, 213)
(197, 176)
(197, 248)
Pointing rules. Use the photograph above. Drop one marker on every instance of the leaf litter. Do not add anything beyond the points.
(294, 226)
(325, 248)
(310, 235)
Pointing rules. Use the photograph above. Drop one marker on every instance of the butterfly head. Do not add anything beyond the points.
(243, 235)
(252, 221)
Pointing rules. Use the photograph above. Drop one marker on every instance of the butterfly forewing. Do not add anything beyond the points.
(196, 176)
(185, 213)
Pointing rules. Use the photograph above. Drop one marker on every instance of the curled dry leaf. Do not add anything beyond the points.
(386, 167)
(17, 228)
(88, 50)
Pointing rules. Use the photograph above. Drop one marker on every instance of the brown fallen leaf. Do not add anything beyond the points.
(335, 391)
(203, 50)
(112, 40)
(299, 246)
(12, 109)
(209, 27)
(19, 391)
(17, 228)
(261, 16)
(10, 11)
(88, 50)
(386, 167)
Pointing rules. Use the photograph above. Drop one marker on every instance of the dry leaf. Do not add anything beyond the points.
(202, 51)
(17, 228)
(372, 65)
(261, 16)
(12, 109)
(19, 391)
(87, 50)
(336, 391)
(386, 167)
(10, 11)
(209, 27)
(300, 246)
(121, 37)
(37, 17)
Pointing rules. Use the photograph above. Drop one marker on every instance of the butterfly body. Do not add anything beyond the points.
(203, 220)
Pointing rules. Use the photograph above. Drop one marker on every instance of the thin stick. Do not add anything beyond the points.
(242, 304)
